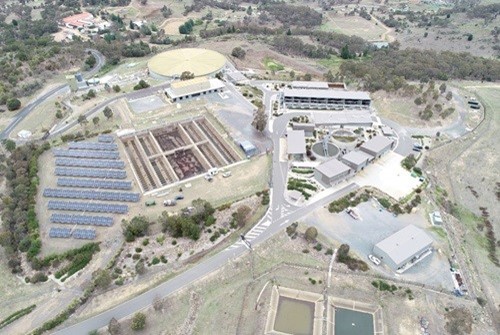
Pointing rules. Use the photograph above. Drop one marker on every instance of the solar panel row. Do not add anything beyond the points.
(85, 234)
(105, 139)
(90, 195)
(93, 146)
(105, 221)
(95, 183)
(60, 232)
(93, 163)
(87, 207)
(90, 173)
(86, 154)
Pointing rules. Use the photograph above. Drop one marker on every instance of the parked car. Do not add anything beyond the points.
(179, 197)
(226, 174)
(374, 259)
(209, 177)
(169, 202)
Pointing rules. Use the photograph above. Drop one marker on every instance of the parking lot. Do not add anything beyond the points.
(376, 225)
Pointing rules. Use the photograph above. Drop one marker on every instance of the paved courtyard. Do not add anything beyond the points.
(146, 104)
(387, 174)
(376, 225)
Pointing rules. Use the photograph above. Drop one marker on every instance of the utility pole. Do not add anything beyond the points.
(249, 247)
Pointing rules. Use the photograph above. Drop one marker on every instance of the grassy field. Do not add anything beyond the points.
(272, 65)
(353, 25)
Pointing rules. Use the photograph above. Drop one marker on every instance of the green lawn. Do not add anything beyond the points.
(272, 64)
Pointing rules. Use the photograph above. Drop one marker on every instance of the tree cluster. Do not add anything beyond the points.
(20, 231)
(298, 16)
(137, 227)
(188, 225)
(187, 27)
(389, 69)
(238, 52)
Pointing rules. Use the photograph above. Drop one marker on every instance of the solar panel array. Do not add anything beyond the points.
(93, 146)
(87, 207)
(86, 234)
(88, 170)
(92, 163)
(91, 195)
(105, 139)
(90, 173)
(95, 183)
(60, 232)
(86, 154)
(63, 218)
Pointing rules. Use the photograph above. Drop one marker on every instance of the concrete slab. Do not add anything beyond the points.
(146, 104)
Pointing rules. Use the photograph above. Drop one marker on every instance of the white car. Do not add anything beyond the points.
(374, 259)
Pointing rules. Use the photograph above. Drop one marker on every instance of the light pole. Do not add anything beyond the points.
(249, 247)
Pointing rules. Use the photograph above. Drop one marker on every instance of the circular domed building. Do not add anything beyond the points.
(171, 64)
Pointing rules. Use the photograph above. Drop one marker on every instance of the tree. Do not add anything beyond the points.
(342, 253)
(449, 95)
(238, 52)
(108, 113)
(82, 119)
(345, 53)
(102, 278)
(292, 74)
(249, 10)
(157, 303)
(131, 25)
(9, 145)
(470, 37)
(114, 327)
(13, 104)
(418, 101)
(138, 321)
(90, 61)
(442, 88)
(95, 121)
(137, 227)
(307, 77)
(241, 215)
(186, 75)
(91, 94)
(116, 88)
(260, 120)
(311, 234)
(140, 268)
(289, 32)
(142, 84)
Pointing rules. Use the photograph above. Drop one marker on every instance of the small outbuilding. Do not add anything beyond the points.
(356, 160)
(248, 148)
(236, 77)
(296, 144)
(404, 248)
(377, 146)
(331, 172)
(183, 90)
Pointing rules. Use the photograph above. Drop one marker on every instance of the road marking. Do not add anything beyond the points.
(266, 224)
(284, 223)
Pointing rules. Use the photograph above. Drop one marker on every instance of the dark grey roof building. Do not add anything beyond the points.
(377, 146)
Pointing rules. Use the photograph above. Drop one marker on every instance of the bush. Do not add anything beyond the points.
(16, 315)
(138, 321)
(38, 277)
(329, 251)
(318, 247)
(145, 242)
(311, 234)
(305, 251)
(384, 202)
(138, 250)
(13, 104)
(155, 261)
(137, 227)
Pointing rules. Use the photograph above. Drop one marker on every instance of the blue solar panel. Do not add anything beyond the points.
(95, 183)
(92, 163)
(93, 146)
(90, 173)
(60, 232)
(86, 234)
(105, 139)
(86, 154)
(105, 221)
(91, 195)
(87, 207)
